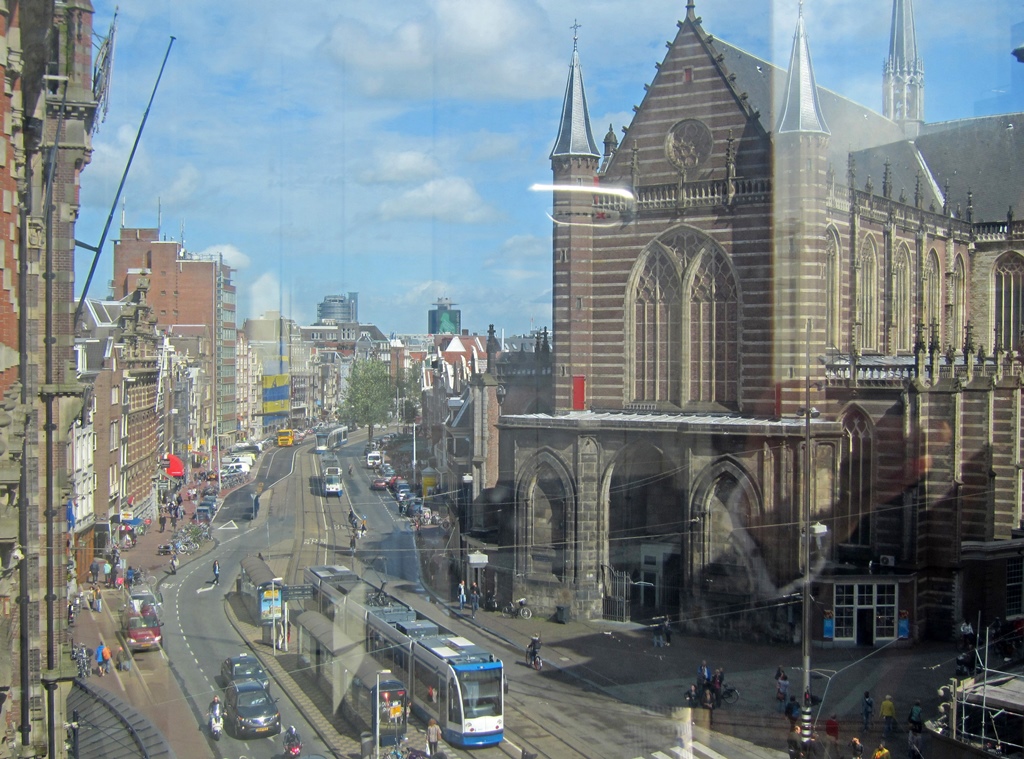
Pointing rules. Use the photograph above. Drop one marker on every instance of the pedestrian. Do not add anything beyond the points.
(717, 680)
(174, 564)
(887, 711)
(881, 752)
(914, 745)
(124, 661)
(692, 697)
(474, 599)
(99, 658)
(433, 736)
(782, 691)
(94, 571)
(703, 675)
(916, 718)
(856, 747)
(462, 594)
(708, 702)
(667, 628)
(794, 742)
(163, 521)
(659, 635)
(216, 572)
(793, 712)
(832, 737)
(867, 707)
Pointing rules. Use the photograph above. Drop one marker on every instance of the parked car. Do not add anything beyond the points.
(147, 598)
(243, 667)
(249, 710)
(394, 481)
(379, 483)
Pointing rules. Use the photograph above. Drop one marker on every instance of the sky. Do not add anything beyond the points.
(334, 146)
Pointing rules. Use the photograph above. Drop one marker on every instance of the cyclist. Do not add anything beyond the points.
(533, 649)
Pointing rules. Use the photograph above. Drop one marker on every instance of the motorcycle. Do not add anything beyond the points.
(292, 743)
(216, 723)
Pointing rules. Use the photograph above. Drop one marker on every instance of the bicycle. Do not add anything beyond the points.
(730, 695)
(517, 609)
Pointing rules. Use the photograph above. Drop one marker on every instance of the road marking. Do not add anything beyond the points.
(203, 590)
(229, 526)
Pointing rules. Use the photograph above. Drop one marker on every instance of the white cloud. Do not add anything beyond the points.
(401, 166)
(265, 295)
(451, 199)
(233, 257)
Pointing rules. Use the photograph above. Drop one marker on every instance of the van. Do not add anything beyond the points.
(240, 458)
(373, 458)
(238, 467)
(141, 626)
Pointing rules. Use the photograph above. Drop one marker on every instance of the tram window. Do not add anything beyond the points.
(481, 693)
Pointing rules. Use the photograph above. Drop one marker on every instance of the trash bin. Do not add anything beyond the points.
(366, 745)
(562, 614)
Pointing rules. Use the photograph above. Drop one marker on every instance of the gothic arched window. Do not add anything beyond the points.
(959, 302)
(932, 294)
(901, 306)
(714, 332)
(657, 329)
(832, 269)
(867, 290)
(1009, 306)
(855, 485)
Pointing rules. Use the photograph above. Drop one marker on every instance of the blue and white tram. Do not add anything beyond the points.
(451, 679)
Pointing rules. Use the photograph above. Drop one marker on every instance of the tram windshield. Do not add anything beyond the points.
(481, 692)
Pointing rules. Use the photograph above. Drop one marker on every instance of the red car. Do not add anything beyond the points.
(379, 483)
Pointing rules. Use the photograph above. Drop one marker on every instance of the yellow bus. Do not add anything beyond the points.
(285, 437)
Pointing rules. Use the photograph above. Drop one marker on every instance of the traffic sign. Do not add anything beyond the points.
(298, 592)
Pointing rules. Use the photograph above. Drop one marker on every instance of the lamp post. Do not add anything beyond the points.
(805, 638)
(376, 721)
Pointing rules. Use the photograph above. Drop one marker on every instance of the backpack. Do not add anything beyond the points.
(106, 653)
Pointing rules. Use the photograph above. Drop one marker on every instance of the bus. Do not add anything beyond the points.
(285, 437)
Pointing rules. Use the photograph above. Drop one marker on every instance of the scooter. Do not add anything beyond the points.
(216, 724)
(292, 744)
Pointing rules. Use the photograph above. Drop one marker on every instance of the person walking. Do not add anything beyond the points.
(832, 737)
(107, 656)
(474, 599)
(916, 718)
(887, 711)
(856, 747)
(124, 661)
(461, 595)
(174, 564)
(433, 736)
(99, 658)
(782, 691)
(216, 571)
(703, 675)
(881, 752)
(867, 707)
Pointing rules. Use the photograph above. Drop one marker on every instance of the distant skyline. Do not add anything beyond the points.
(335, 148)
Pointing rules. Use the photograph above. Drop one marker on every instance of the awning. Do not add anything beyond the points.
(175, 466)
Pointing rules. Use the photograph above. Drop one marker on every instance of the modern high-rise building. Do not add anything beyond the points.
(442, 319)
(338, 309)
(187, 290)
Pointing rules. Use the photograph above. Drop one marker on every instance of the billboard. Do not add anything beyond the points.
(276, 395)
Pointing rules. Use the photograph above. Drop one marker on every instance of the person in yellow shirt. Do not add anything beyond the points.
(888, 713)
(881, 752)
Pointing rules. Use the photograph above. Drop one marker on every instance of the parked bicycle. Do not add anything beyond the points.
(730, 695)
(517, 609)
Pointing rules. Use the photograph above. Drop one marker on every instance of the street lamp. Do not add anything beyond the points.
(807, 412)
(376, 721)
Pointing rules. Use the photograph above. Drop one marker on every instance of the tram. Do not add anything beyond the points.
(449, 677)
(328, 440)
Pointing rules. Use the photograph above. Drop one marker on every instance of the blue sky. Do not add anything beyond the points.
(329, 146)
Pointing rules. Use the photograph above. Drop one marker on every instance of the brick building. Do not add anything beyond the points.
(755, 342)
(187, 289)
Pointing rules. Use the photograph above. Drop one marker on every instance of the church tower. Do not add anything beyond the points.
(903, 85)
(574, 162)
(801, 175)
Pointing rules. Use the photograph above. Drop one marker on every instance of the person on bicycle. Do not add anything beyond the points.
(533, 649)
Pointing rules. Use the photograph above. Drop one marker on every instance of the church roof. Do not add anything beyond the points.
(574, 135)
(801, 111)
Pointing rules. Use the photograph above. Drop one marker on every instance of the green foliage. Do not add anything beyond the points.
(369, 397)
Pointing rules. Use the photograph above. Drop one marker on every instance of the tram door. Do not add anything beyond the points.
(445, 693)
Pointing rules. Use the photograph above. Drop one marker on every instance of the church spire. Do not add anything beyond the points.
(903, 88)
(801, 111)
(574, 135)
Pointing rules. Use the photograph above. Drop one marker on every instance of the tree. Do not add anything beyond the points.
(408, 390)
(368, 398)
